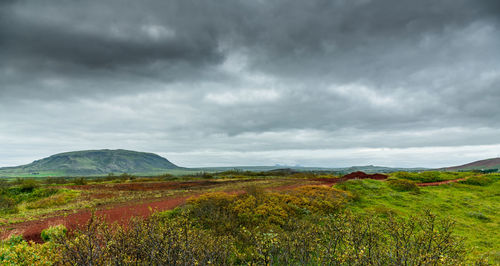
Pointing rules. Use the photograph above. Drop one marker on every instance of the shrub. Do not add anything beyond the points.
(430, 176)
(403, 185)
(53, 200)
(424, 177)
(14, 240)
(80, 181)
(479, 180)
(55, 180)
(479, 216)
(152, 241)
(339, 239)
(20, 252)
(3, 185)
(28, 185)
(7, 205)
(405, 175)
(54, 232)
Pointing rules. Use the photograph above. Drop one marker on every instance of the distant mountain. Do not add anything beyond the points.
(93, 162)
(487, 164)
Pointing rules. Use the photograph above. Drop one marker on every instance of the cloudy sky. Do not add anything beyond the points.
(226, 82)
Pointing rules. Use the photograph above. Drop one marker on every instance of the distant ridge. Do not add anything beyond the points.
(493, 163)
(95, 162)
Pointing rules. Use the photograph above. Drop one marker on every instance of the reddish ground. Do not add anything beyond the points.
(149, 186)
(440, 182)
(31, 230)
(353, 175)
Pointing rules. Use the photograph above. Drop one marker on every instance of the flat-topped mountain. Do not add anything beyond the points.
(493, 163)
(95, 162)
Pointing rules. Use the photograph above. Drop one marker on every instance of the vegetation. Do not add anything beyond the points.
(54, 232)
(403, 185)
(431, 176)
(368, 222)
(290, 229)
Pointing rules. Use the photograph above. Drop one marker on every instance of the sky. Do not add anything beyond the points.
(236, 82)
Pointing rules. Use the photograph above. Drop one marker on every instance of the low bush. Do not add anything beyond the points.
(55, 180)
(58, 199)
(403, 185)
(336, 239)
(479, 180)
(7, 205)
(423, 177)
(16, 251)
(479, 216)
(80, 181)
(54, 232)
(152, 241)
(28, 185)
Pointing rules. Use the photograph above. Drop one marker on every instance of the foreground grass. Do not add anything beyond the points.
(475, 209)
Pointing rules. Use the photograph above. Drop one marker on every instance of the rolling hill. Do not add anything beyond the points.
(92, 162)
(493, 163)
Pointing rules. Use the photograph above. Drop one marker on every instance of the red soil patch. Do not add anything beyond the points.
(31, 230)
(439, 183)
(145, 186)
(353, 175)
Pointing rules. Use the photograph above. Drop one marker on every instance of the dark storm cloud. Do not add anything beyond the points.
(216, 77)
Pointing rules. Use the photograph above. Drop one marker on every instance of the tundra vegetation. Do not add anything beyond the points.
(279, 218)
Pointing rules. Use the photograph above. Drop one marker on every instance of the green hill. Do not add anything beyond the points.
(92, 162)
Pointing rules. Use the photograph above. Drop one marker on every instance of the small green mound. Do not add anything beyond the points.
(479, 216)
(479, 180)
(54, 232)
(403, 185)
(7, 205)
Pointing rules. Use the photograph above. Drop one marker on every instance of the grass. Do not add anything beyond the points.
(475, 209)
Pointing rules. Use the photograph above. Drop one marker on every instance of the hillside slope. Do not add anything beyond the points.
(493, 163)
(94, 162)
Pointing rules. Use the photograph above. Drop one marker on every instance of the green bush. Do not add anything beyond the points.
(54, 232)
(424, 177)
(337, 239)
(479, 216)
(479, 180)
(7, 205)
(28, 185)
(14, 240)
(403, 185)
(80, 181)
(55, 180)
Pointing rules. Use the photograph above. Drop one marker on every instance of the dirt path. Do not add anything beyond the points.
(439, 183)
